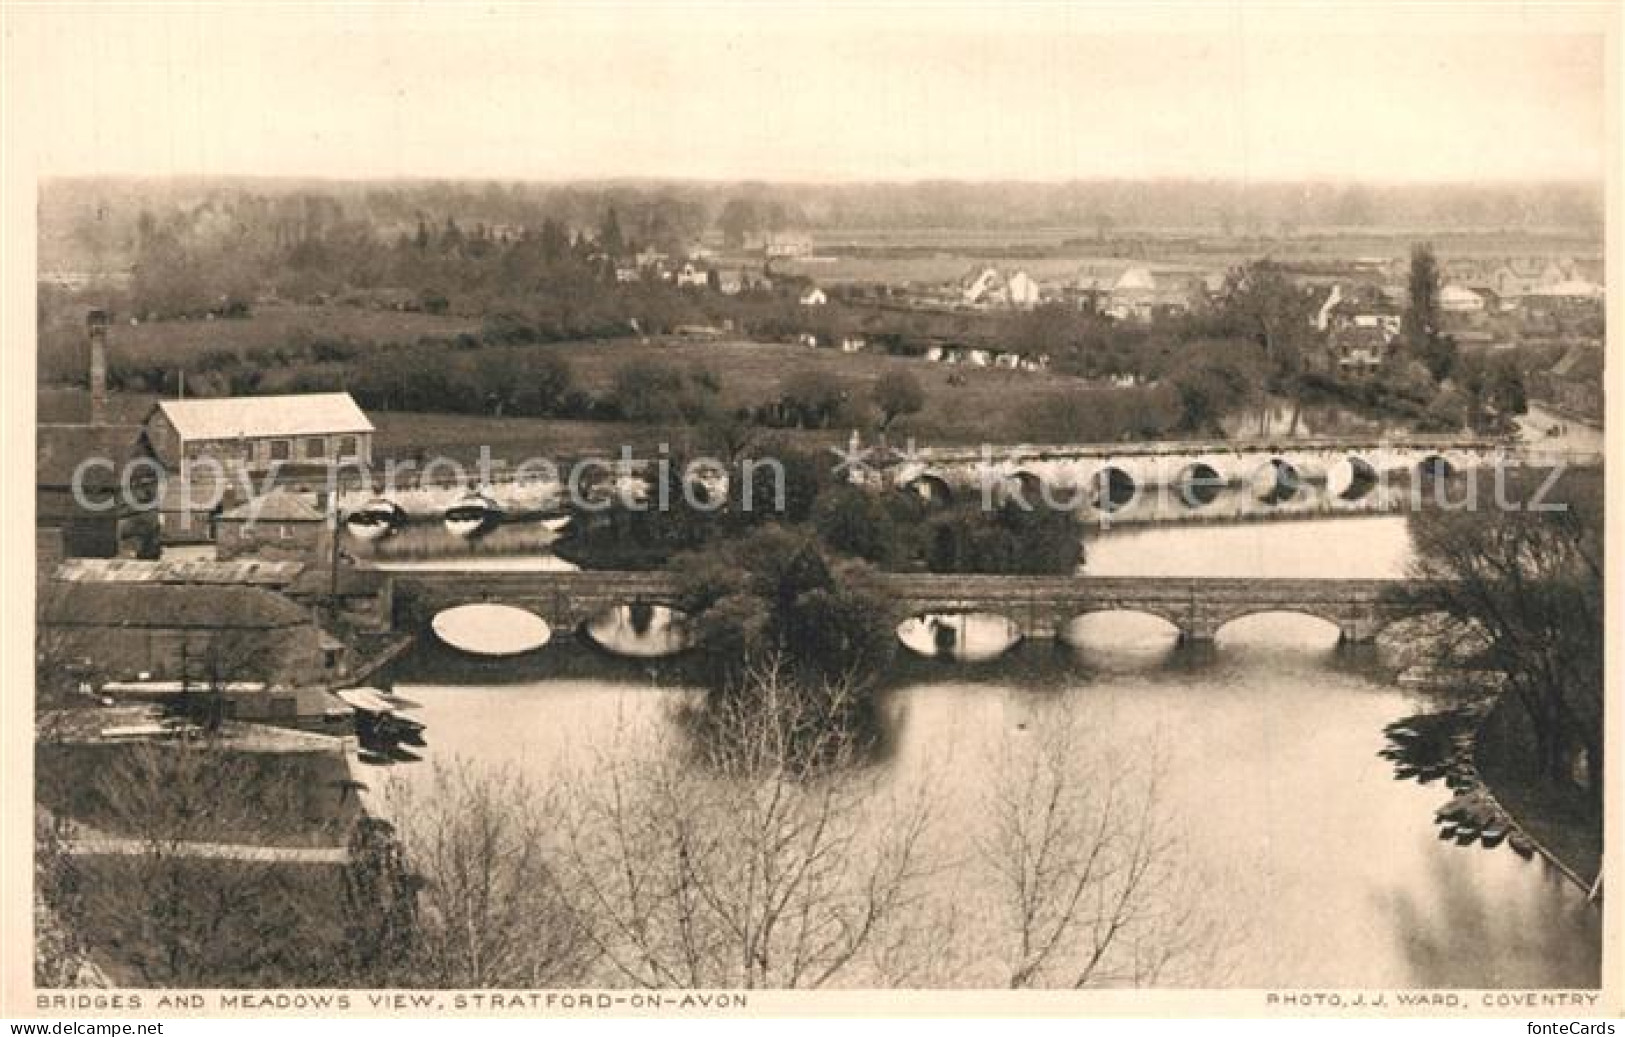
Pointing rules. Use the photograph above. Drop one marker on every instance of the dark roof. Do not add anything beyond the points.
(59, 450)
(277, 506)
(351, 581)
(168, 606)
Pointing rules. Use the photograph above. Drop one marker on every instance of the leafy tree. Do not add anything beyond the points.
(609, 234)
(812, 398)
(778, 592)
(897, 393)
(860, 523)
(1264, 304)
(1421, 320)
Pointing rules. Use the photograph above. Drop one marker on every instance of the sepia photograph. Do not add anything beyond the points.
(716, 510)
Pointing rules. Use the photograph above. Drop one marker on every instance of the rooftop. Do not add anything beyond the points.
(240, 572)
(168, 606)
(60, 449)
(277, 506)
(231, 417)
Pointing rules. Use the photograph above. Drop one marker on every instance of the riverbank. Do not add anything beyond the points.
(1562, 824)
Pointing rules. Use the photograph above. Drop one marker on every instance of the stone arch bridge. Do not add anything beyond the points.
(1349, 468)
(1040, 606)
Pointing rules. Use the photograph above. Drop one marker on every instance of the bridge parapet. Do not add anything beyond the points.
(1041, 606)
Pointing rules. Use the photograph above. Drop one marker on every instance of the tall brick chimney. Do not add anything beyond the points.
(98, 366)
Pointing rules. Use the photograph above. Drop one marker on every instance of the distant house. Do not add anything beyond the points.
(1566, 294)
(853, 343)
(1022, 291)
(983, 286)
(730, 282)
(277, 525)
(627, 273)
(814, 297)
(94, 490)
(1008, 361)
(1133, 296)
(1358, 305)
(692, 275)
(989, 287)
(1456, 298)
(1359, 350)
(256, 434)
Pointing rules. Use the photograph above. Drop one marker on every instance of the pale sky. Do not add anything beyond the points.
(721, 92)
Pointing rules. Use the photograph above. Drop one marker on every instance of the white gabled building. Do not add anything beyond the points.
(252, 433)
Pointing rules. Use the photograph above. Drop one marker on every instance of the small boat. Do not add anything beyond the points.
(1493, 836)
(557, 525)
(1466, 834)
(400, 755)
(1447, 830)
(1521, 845)
(470, 513)
(374, 519)
(377, 759)
(1405, 772)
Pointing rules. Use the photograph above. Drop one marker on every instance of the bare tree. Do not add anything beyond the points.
(489, 910)
(61, 954)
(771, 861)
(183, 879)
(1519, 591)
(1083, 866)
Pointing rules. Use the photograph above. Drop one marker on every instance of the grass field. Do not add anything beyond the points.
(271, 326)
(988, 402)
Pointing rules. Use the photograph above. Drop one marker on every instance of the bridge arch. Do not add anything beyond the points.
(965, 636)
(1024, 485)
(1352, 478)
(1277, 481)
(1198, 484)
(931, 488)
(1112, 488)
(1435, 466)
(1065, 633)
(1351, 625)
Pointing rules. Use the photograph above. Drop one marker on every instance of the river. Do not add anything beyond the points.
(1301, 860)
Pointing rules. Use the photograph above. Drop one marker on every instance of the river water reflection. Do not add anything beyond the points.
(1309, 864)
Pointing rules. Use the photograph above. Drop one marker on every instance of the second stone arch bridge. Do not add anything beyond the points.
(1113, 477)
(1040, 606)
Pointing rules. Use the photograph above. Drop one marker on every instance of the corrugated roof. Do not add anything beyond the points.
(168, 606)
(229, 417)
(243, 571)
(59, 450)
